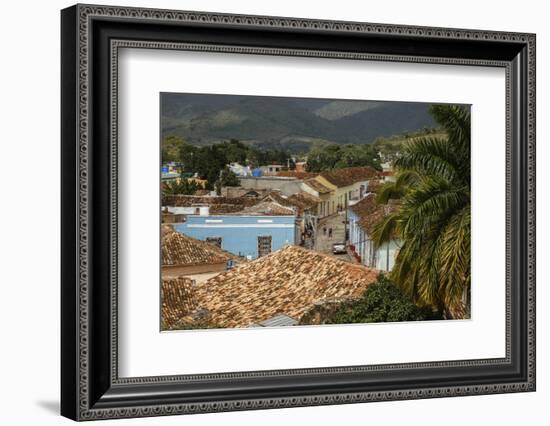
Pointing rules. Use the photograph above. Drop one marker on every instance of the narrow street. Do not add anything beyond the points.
(324, 243)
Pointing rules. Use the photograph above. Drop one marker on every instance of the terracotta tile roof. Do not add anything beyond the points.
(192, 200)
(317, 186)
(268, 208)
(182, 250)
(299, 202)
(217, 205)
(278, 197)
(239, 191)
(177, 300)
(365, 206)
(371, 213)
(370, 221)
(288, 281)
(349, 175)
(166, 229)
(296, 174)
(374, 185)
(304, 200)
(225, 208)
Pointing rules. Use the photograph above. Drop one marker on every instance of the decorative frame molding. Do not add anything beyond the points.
(91, 37)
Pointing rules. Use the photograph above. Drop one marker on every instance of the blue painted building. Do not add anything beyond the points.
(249, 236)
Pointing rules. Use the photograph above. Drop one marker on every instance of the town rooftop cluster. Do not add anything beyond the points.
(260, 254)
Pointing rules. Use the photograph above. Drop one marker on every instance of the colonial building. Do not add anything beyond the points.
(171, 217)
(302, 202)
(182, 255)
(315, 188)
(337, 188)
(349, 184)
(215, 205)
(271, 169)
(254, 232)
(239, 191)
(287, 185)
(362, 218)
(305, 207)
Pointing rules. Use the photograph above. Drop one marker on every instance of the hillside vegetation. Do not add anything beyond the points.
(292, 124)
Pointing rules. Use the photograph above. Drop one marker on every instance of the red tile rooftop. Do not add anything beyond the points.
(299, 201)
(181, 250)
(289, 281)
(267, 208)
(177, 300)
(317, 186)
(370, 213)
(349, 175)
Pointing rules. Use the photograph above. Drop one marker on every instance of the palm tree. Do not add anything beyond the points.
(433, 221)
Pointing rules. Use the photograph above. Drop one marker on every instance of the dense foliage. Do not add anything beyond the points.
(433, 185)
(210, 160)
(171, 148)
(181, 187)
(381, 302)
(227, 178)
(332, 156)
(390, 147)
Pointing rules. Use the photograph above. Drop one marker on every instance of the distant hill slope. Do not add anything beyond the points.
(294, 123)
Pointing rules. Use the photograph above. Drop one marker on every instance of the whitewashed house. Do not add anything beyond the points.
(240, 170)
(362, 217)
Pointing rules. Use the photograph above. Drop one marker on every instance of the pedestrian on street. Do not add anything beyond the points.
(330, 232)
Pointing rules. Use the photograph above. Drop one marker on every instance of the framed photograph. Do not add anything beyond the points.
(263, 212)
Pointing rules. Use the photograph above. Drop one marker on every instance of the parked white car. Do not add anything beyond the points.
(339, 248)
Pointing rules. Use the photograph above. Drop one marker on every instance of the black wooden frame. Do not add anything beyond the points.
(90, 387)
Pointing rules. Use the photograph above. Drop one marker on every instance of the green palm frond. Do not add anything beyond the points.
(390, 191)
(455, 119)
(386, 230)
(455, 260)
(426, 206)
(430, 156)
(396, 190)
(433, 221)
(406, 178)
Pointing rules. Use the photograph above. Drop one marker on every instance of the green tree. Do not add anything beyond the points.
(235, 151)
(171, 147)
(382, 301)
(210, 160)
(433, 222)
(323, 158)
(358, 156)
(333, 156)
(188, 156)
(227, 178)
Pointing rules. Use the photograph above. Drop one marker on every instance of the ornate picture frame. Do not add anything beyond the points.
(91, 38)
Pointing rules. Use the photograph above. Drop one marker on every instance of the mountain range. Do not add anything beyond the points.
(289, 123)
